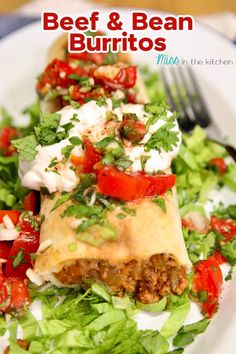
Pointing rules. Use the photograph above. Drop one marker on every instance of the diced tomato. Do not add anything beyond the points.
(208, 280)
(13, 215)
(5, 248)
(132, 129)
(225, 227)
(219, 164)
(123, 77)
(130, 187)
(3, 292)
(26, 244)
(19, 294)
(30, 202)
(14, 294)
(77, 94)
(218, 257)
(131, 97)
(91, 157)
(56, 75)
(6, 135)
(126, 77)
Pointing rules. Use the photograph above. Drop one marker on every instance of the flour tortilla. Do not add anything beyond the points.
(150, 231)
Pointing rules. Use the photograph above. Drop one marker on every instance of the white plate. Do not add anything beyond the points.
(22, 58)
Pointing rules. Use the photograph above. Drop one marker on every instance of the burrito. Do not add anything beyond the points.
(147, 257)
(109, 209)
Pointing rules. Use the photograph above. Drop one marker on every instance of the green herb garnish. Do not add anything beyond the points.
(19, 258)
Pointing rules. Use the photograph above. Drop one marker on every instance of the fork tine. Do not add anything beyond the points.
(168, 90)
(189, 98)
(204, 118)
(184, 120)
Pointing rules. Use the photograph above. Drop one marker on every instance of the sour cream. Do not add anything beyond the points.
(90, 120)
(155, 160)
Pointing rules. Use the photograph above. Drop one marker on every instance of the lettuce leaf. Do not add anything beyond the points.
(175, 320)
(155, 307)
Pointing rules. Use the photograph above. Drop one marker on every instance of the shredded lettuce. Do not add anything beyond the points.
(196, 327)
(29, 325)
(154, 343)
(176, 351)
(175, 320)
(154, 84)
(3, 326)
(15, 348)
(195, 178)
(229, 179)
(92, 321)
(187, 333)
(155, 307)
(199, 245)
(192, 207)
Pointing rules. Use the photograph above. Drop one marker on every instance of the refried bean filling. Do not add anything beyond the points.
(148, 280)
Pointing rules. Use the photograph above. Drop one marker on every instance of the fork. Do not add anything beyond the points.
(185, 97)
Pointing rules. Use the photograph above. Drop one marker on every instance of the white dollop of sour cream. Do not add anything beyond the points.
(90, 120)
(155, 160)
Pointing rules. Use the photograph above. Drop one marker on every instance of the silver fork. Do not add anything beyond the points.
(185, 97)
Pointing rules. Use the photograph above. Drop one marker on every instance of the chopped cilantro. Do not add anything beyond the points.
(121, 216)
(229, 275)
(66, 151)
(43, 217)
(75, 117)
(116, 103)
(64, 198)
(33, 256)
(161, 203)
(67, 126)
(157, 111)
(224, 212)
(19, 258)
(83, 81)
(101, 101)
(108, 159)
(164, 138)
(74, 140)
(46, 131)
(81, 210)
(143, 160)
(26, 147)
(130, 211)
(101, 145)
(123, 163)
(74, 104)
(53, 162)
(97, 235)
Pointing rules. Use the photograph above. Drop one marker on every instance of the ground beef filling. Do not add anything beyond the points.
(148, 281)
